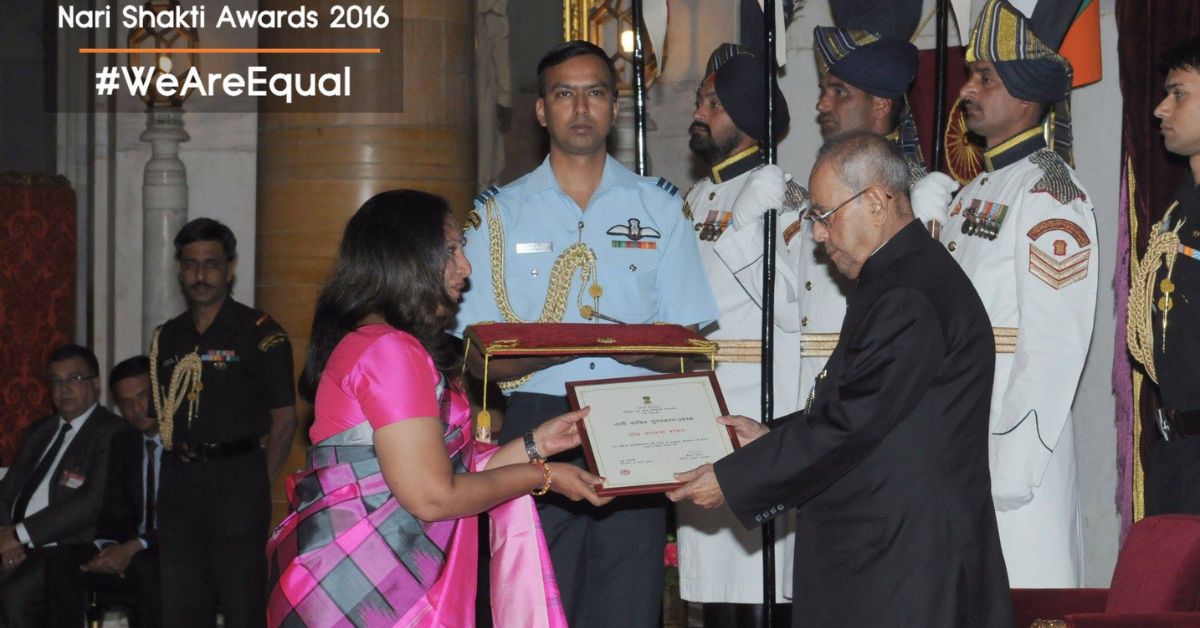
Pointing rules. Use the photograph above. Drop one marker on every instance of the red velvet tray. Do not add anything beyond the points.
(523, 339)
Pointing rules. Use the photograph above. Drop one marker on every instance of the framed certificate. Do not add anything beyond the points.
(643, 430)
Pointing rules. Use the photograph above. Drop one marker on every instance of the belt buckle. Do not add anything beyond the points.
(1164, 425)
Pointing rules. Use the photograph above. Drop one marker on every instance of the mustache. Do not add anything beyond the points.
(699, 125)
(969, 103)
(199, 284)
(823, 118)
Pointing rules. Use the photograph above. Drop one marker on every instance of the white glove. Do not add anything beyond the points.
(1009, 494)
(763, 191)
(931, 197)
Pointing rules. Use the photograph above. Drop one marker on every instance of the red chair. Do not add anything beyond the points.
(1156, 583)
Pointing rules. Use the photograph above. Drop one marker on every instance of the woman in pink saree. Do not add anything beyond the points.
(382, 529)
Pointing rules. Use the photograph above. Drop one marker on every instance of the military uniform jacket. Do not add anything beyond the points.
(888, 472)
(1025, 234)
(718, 560)
(810, 296)
(647, 264)
(1178, 358)
(246, 368)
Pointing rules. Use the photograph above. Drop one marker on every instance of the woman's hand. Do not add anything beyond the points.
(575, 484)
(560, 433)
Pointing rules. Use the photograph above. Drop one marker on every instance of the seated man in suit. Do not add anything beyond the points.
(52, 493)
(124, 557)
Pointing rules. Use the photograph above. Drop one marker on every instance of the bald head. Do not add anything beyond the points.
(863, 159)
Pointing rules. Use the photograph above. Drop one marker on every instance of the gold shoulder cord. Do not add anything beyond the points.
(577, 256)
(186, 375)
(1138, 481)
(1164, 242)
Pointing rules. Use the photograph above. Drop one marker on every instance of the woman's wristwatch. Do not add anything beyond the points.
(531, 449)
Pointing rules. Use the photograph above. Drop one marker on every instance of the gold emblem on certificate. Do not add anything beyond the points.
(643, 430)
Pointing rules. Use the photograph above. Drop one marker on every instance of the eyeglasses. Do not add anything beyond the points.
(72, 380)
(823, 218)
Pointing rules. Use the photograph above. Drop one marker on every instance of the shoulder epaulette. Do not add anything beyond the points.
(916, 170)
(687, 209)
(1056, 178)
(261, 318)
(486, 194)
(668, 186)
(472, 222)
(795, 197)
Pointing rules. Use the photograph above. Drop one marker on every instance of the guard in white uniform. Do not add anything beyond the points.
(720, 562)
(1025, 233)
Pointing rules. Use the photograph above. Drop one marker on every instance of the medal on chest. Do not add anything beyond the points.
(714, 225)
(983, 219)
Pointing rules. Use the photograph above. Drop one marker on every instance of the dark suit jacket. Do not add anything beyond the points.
(125, 494)
(71, 515)
(889, 472)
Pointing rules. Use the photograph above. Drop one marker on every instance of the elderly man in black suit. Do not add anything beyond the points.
(888, 464)
(124, 557)
(53, 491)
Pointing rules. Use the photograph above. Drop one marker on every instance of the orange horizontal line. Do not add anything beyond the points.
(225, 51)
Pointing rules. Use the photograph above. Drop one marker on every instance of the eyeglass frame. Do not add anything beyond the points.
(70, 380)
(813, 216)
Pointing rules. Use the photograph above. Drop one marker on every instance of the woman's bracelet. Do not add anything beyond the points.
(545, 487)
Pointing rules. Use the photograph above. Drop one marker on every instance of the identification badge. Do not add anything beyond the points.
(70, 479)
(534, 247)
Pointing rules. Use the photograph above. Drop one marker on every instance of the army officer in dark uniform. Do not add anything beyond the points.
(1165, 301)
(223, 380)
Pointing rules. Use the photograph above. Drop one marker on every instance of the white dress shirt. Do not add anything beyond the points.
(41, 495)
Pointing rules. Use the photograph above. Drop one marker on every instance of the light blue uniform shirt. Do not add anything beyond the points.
(655, 278)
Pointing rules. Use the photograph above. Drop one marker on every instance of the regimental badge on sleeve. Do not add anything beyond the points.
(272, 340)
(1059, 252)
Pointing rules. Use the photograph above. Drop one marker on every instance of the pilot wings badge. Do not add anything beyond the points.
(633, 230)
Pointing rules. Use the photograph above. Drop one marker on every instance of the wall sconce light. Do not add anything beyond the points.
(170, 56)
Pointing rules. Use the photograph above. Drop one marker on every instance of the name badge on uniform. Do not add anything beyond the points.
(534, 247)
(71, 479)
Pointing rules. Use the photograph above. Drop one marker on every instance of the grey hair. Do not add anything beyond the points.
(863, 159)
